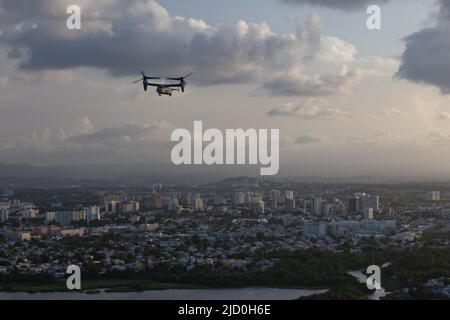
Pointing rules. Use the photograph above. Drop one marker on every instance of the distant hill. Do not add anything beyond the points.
(145, 174)
(134, 174)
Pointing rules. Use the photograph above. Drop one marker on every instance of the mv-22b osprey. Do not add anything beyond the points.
(164, 88)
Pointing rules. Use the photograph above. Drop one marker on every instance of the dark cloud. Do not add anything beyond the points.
(125, 37)
(338, 4)
(426, 58)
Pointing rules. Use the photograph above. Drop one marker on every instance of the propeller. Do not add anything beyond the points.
(144, 80)
(144, 77)
(181, 79)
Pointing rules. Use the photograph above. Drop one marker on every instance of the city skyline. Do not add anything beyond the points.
(230, 235)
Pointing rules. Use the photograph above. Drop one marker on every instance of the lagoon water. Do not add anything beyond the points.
(171, 294)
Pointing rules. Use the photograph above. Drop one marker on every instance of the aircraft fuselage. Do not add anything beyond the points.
(164, 90)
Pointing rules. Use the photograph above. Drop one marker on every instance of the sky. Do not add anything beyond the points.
(347, 100)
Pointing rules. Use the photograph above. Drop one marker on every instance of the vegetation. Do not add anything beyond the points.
(312, 268)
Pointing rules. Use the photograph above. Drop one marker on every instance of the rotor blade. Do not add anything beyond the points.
(148, 78)
(138, 80)
(180, 78)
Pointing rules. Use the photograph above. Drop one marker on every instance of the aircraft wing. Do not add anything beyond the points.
(175, 85)
(153, 84)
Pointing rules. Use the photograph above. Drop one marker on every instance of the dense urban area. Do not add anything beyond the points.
(239, 232)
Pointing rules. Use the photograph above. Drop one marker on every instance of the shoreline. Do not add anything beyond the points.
(170, 294)
(137, 290)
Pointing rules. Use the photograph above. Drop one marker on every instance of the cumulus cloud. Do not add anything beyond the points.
(126, 37)
(426, 59)
(388, 113)
(132, 143)
(86, 126)
(336, 50)
(378, 138)
(39, 141)
(131, 136)
(338, 4)
(378, 66)
(126, 133)
(312, 109)
(444, 116)
(295, 83)
(436, 136)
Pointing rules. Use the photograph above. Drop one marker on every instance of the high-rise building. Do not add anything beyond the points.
(275, 195)
(289, 194)
(197, 204)
(328, 208)
(238, 198)
(157, 188)
(274, 204)
(92, 213)
(314, 229)
(433, 195)
(173, 205)
(256, 198)
(176, 195)
(191, 199)
(360, 202)
(156, 201)
(368, 201)
(50, 217)
(219, 200)
(316, 205)
(248, 197)
(287, 220)
(289, 203)
(368, 213)
(4, 215)
(129, 206)
(258, 207)
(275, 198)
(354, 204)
(65, 218)
(112, 206)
